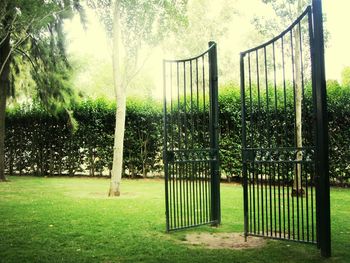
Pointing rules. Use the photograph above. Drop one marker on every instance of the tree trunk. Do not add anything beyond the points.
(4, 82)
(92, 162)
(11, 161)
(120, 92)
(144, 159)
(297, 184)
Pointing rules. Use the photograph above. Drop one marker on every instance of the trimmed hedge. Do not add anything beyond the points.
(43, 144)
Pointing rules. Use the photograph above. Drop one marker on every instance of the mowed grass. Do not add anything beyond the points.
(72, 220)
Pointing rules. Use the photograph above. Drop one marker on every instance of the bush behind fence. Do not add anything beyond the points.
(39, 143)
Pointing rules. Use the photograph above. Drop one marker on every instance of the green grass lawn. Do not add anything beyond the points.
(72, 220)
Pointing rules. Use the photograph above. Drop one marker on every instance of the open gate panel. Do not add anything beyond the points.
(191, 141)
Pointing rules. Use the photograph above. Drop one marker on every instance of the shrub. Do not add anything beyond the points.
(40, 143)
(44, 144)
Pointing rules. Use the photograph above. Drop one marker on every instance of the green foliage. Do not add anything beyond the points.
(40, 143)
(230, 131)
(206, 20)
(35, 30)
(345, 77)
(45, 144)
(142, 22)
(143, 137)
(339, 132)
(286, 12)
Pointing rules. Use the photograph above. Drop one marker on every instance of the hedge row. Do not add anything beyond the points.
(43, 144)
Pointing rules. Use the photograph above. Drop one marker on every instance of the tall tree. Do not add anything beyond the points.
(297, 184)
(32, 30)
(286, 12)
(207, 20)
(132, 24)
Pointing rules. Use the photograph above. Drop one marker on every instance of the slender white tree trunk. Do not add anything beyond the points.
(297, 184)
(120, 92)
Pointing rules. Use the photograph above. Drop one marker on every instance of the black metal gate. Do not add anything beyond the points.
(284, 135)
(191, 165)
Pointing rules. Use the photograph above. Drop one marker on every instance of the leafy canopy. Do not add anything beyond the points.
(142, 21)
(35, 29)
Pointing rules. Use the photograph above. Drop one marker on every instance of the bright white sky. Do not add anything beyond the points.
(92, 43)
(338, 21)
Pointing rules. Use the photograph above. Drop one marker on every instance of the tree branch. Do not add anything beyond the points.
(21, 40)
(27, 56)
(137, 71)
(9, 28)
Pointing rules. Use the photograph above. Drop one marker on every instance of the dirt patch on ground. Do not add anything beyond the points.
(224, 240)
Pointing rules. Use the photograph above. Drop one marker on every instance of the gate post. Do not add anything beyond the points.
(214, 135)
(322, 162)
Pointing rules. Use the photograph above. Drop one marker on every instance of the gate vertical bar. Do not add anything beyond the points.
(214, 135)
(165, 153)
(314, 179)
(244, 145)
(322, 161)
